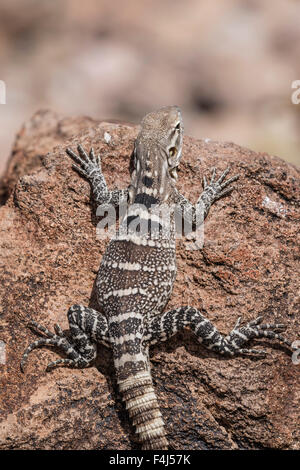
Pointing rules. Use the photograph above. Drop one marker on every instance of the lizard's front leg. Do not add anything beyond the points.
(89, 166)
(167, 324)
(196, 214)
(215, 189)
(87, 328)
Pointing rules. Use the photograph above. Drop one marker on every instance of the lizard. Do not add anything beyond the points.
(137, 273)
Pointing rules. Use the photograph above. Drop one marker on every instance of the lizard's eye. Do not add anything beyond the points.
(172, 151)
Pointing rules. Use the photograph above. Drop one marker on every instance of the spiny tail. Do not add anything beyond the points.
(141, 403)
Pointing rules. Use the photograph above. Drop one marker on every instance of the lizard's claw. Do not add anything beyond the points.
(89, 165)
(40, 328)
(58, 330)
(240, 335)
(57, 340)
(219, 187)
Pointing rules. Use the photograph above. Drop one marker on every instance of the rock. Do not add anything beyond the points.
(49, 256)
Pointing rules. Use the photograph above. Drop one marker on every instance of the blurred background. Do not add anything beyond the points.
(229, 64)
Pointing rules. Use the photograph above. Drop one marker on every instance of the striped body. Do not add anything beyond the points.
(133, 276)
(134, 283)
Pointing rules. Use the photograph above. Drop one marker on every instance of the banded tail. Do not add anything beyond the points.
(132, 365)
(141, 403)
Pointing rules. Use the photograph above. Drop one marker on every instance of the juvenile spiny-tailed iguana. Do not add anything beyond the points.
(137, 274)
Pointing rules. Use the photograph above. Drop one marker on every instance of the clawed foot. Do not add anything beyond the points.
(89, 164)
(57, 340)
(220, 187)
(239, 336)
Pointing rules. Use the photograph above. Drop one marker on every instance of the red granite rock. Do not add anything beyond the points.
(49, 257)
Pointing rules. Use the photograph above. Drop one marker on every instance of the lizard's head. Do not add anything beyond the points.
(157, 153)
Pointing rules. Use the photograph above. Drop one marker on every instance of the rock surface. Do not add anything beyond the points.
(49, 256)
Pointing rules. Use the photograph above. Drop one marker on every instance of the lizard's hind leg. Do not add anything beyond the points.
(167, 324)
(87, 327)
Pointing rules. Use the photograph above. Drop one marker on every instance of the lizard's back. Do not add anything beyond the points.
(136, 278)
